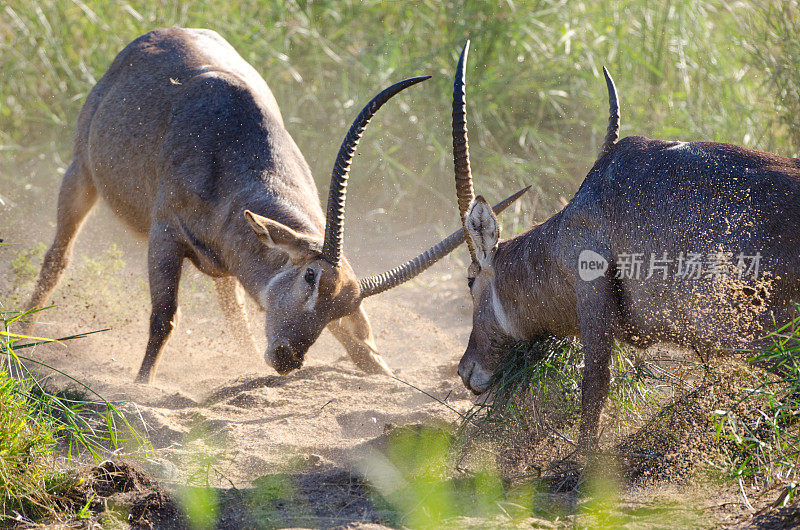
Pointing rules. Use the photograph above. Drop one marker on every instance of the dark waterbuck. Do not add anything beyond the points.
(185, 142)
(690, 243)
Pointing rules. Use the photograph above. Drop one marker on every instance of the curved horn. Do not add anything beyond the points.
(463, 173)
(337, 194)
(383, 282)
(612, 132)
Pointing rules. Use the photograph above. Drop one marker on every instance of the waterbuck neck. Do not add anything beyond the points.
(536, 293)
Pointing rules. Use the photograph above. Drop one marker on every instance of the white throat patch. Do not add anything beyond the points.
(500, 315)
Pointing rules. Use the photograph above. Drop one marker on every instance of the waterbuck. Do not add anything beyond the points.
(694, 244)
(185, 142)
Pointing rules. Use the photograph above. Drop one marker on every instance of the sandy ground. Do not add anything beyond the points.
(213, 404)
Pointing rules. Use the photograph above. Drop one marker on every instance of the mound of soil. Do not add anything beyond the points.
(120, 492)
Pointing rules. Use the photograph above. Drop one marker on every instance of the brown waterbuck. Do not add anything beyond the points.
(185, 142)
(695, 244)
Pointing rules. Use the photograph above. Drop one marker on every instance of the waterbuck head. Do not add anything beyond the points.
(309, 292)
(317, 284)
(495, 269)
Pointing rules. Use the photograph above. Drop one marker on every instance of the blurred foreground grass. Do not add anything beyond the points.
(721, 70)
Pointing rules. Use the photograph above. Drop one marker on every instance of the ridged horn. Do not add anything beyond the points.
(612, 132)
(337, 194)
(463, 172)
(383, 282)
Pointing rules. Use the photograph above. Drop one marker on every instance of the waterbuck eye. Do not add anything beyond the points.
(309, 276)
(470, 281)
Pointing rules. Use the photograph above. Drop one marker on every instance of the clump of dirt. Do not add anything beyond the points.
(115, 477)
(122, 492)
(156, 509)
(778, 518)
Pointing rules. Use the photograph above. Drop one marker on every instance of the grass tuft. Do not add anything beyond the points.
(27, 445)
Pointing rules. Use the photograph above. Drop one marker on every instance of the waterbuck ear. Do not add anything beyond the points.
(483, 228)
(299, 247)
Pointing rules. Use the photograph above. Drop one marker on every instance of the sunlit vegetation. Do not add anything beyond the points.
(700, 70)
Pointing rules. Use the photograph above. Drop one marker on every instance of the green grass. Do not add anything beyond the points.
(25, 267)
(535, 403)
(762, 430)
(27, 438)
(774, 44)
(417, 483)
(537, 388)
(45, 431)
(713, 70)
(538, 108)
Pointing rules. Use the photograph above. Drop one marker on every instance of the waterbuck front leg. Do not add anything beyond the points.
(75, 198)
(355, 334)
(232, 300)
(164, 261)
(598, 318)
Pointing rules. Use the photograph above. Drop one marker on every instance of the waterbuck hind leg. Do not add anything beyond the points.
(75, 199)
(355, 334)
(232, 300)
(164, 261)
(598, 319)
